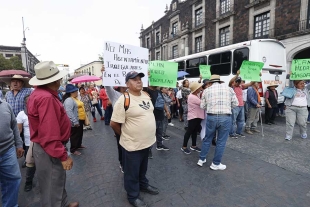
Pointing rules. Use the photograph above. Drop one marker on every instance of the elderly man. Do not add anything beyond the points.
(218, 100)
(49, 131)
(10, 148)
(19, 88)
(254, 104)
(128, 123)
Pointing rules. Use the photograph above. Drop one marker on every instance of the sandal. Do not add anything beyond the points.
(76, 153)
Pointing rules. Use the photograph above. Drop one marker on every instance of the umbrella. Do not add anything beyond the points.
(85, 78)
(75, 76)
(182, 73)
(10, 73)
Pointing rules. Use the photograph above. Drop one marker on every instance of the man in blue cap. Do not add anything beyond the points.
(136, 143)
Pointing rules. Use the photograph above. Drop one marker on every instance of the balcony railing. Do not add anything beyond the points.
(224, 13)
(269, 35)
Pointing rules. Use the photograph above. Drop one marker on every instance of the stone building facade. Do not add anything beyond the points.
(192, 26)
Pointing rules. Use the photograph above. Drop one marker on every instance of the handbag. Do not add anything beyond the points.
(86, 122)
(289, 92)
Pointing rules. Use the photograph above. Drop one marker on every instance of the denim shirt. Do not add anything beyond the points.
(289, 101)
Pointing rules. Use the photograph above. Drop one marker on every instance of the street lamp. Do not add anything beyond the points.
(24, 44)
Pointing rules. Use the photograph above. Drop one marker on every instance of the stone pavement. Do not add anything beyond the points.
(261, 171)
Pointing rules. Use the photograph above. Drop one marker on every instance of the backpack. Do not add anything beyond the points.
(160, 102)
(127, 99)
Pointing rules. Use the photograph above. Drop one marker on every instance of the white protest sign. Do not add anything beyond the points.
(119, 59)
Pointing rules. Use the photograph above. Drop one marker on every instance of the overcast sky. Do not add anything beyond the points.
(73, 31)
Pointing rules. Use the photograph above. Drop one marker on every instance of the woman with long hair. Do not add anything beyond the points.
(76, 112)
(85, 98)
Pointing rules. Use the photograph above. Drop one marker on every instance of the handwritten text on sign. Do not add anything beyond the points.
(163, 74)
(119, 59)
(205, 71)
(251, 70)
(300, 69)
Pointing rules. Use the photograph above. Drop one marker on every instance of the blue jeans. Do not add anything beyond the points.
(10, 178)
(108, 114)
(237, 119)
(221, 124)
(98, 109)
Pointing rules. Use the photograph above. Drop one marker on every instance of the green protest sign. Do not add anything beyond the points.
(163, 74)
(300, 69)
(250, 70)
(205, 71)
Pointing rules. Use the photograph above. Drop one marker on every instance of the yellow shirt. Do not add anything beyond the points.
(81, 110)
(138, 122)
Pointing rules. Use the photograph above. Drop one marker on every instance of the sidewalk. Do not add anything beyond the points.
(253, 176)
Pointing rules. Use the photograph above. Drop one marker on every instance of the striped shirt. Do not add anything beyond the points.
(219, 99)
(17, 102)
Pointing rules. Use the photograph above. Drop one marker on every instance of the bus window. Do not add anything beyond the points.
(239, 56)
(181, 66)
(193, 63)
(192, 68)
(203, 61)
(220, 63)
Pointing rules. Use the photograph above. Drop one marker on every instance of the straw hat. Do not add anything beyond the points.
(216, 78)
(8, 80)
(46, 72)
(194, 86)
(274, 85)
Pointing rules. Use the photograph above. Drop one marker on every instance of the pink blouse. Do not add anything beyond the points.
(194, 110)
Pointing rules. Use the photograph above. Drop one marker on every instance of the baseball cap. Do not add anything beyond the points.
(133, 74)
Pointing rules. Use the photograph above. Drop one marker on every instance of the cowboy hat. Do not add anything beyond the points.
(274, 85)
(46, 72)
(194, 86)
(216, 78)
(8, 80)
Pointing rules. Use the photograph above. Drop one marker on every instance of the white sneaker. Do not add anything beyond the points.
(170, 124)
(218, 167)
(201, 162)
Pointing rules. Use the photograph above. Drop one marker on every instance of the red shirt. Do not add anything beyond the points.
(239, 94)
(49, 124)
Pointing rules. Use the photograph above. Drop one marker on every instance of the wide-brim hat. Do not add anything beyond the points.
(194, 86)
(216, 78)
(8, 80)
(46, 72)
(71, 88)
(274, 85)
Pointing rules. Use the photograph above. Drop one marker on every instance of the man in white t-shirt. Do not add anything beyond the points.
(137, 128)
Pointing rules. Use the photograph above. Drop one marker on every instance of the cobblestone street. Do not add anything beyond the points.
(261, 171)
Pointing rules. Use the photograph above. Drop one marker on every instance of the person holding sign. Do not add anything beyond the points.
(136, 143)
(296, 110)
(238, 112)
(254, 104)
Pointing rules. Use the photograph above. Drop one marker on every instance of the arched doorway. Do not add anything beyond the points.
(303, 54)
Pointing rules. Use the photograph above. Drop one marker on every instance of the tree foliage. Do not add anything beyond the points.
(12, 63)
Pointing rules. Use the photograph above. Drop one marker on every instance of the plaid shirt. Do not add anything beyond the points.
(17, 102)
(218, 99)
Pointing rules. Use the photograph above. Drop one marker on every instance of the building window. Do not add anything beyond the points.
(8, 55)
(198, 44)
(225, 6)
(198, 17)
(174, 28)
(224, 36)
(175, 52)
(148, 42)
(261, 25)
(157, 38)
(308, 18)
(158, 56)
(174, 6)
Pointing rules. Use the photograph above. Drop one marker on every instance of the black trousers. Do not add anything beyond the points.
(135, 168)
(270, 114)
(193, 127)
(76, 136)
(119, 148)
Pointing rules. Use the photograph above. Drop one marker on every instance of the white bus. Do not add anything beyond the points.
(226, 61)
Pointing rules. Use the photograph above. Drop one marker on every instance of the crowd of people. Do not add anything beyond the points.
(214, 109)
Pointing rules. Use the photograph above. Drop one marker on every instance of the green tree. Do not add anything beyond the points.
(12, 63)
(16, 63)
